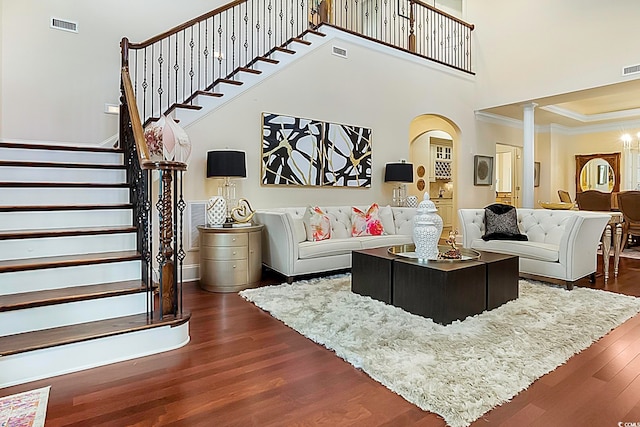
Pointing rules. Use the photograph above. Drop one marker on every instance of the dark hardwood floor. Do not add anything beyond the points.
(244, 368)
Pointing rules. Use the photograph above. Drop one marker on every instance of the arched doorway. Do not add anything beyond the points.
(432, 147)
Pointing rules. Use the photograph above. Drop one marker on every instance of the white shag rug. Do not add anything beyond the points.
(459, 371)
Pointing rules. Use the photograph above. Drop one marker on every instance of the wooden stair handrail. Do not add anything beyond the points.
(186, 25)
(443, 13)
(138, 133)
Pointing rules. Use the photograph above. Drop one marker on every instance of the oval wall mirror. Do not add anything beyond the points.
(598, 172)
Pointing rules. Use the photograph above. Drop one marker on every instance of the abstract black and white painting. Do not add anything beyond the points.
(297, 151)
(291, 150)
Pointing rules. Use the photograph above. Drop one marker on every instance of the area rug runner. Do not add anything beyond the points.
(26, 409)
(459, 371)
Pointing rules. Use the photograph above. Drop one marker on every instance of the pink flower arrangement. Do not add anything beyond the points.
(153, 138)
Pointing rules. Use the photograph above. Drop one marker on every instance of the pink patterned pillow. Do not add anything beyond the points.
(317, 224)
(366, 223)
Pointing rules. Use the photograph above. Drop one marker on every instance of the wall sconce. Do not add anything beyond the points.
(227, 164)
(400, 174)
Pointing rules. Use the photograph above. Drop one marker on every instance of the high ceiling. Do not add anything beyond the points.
(607, 104)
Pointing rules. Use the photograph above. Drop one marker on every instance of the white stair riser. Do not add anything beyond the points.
(35, 365)
(62, 196)
(37, 220)
(53, 316)
(68, 245)
(37, 174)
(55, 278)
(34, 155)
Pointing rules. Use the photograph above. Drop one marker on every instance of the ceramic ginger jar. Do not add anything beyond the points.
(427, 227)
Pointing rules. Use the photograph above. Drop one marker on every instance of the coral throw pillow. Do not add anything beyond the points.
(366, 223)
(317, 224)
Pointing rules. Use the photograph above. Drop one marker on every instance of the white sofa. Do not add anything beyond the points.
(285, 247)
(562, 244)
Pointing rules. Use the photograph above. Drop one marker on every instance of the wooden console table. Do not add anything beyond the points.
(230, 258)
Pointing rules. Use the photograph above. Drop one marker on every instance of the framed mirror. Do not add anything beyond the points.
(598, 172)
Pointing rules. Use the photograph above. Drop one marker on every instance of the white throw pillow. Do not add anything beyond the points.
(386, 216)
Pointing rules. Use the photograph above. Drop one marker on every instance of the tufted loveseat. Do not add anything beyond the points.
(287, 250)
(562, 244)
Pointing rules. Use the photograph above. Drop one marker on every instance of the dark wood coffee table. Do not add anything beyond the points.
(441, 290)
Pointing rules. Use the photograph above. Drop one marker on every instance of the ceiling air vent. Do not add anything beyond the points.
(338, 51)
(62, 24)
(631, 69)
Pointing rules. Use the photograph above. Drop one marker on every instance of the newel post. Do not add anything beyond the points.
(124, 52)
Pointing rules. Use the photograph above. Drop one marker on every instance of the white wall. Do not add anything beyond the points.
(530, 49)
(53, 83)
(370, 89)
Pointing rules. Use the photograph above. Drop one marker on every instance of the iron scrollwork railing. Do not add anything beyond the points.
(407, 24)
(164, 289)
(169, 70)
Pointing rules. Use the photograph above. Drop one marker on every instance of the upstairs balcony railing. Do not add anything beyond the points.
(407, 24)
(168, 71)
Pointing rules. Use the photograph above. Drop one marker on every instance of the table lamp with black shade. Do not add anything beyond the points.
(227, 164)
(400, 174)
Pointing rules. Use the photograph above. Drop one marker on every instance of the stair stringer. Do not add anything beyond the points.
(209, 104)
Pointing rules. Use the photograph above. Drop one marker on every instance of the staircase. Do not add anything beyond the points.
(204, 101)
(71, 295)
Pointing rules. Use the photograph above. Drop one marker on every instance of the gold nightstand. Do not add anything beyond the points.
(230, 258)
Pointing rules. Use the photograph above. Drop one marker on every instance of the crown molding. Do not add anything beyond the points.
(588, 118)
(565, 130)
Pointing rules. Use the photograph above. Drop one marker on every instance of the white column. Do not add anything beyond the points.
(528, 151)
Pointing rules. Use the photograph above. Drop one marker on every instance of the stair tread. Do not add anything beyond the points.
(60, 147)
(189, 106)
(61, 232)
(284, 50)
(21, 163)
(24, 208)
(315, 32)
(206, 93)
(229, 81)
(67, 260)
(302, 41)
(64, 184)
(69, 294)
(249, 70)
(269, 60)
(47, 338)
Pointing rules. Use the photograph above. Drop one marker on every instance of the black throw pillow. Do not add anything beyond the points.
(501, 223)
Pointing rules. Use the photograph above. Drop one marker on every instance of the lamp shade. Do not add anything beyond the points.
(398, 172)
(221, 163)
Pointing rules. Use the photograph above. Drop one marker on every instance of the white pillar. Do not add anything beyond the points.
(528, 152)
